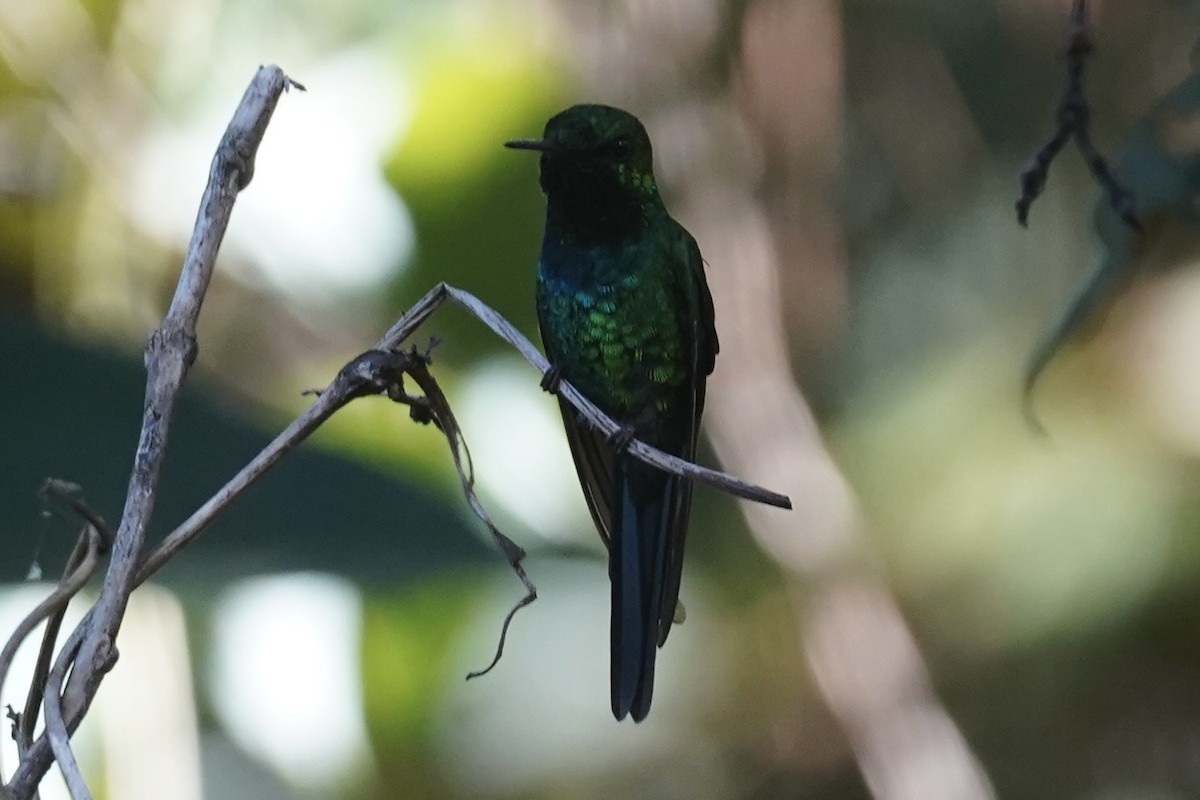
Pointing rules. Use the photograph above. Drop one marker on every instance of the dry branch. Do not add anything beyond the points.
(82, 565)
(348, 385)
(169, 354)
(56, 726)
(597, 418)
(89, 651)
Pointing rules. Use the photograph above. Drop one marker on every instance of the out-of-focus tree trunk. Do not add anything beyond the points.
(755, 162)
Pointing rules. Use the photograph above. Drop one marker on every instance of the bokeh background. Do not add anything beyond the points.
(957, 608)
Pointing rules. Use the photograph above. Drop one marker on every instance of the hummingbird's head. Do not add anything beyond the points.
(594, 151)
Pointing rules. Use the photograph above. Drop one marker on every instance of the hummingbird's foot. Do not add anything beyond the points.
(427, 354)
(551, 379)
(622, 438)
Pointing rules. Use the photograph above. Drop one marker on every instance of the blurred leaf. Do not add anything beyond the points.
(408, 640)
(1160, 166)
(1007, 540)
(476, 206)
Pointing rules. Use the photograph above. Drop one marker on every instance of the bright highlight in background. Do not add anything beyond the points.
(542, 716)
(520, 452)
(286, 679)
(319, 215)
(15, 603)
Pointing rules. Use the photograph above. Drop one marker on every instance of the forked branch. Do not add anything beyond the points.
(1074, 122)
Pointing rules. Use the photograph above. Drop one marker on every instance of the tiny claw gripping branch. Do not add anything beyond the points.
(551, 379)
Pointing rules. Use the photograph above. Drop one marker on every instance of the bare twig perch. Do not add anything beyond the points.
(343, 389)
(505, 330)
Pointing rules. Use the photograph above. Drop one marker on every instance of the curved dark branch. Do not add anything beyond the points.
(1074, 122)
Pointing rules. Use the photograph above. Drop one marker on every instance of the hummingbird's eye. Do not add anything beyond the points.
(622, 148)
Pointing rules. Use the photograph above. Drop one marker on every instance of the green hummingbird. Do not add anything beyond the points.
(626, 316)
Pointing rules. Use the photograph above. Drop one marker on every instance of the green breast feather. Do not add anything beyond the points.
(616, 336)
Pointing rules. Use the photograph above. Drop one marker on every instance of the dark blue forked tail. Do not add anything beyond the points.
(637, 569)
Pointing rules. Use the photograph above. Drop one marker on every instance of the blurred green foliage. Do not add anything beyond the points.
(85, 405)
(1054, 585)
(407, 671)
(476, 208)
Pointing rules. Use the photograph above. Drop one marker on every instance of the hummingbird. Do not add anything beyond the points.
(626, 317)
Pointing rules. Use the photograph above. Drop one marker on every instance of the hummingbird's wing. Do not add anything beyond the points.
(595, 463)
(603, 477)
(702, 350)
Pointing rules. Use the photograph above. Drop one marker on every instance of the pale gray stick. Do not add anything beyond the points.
(61, 595)
(169, 354)
(56, 728)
